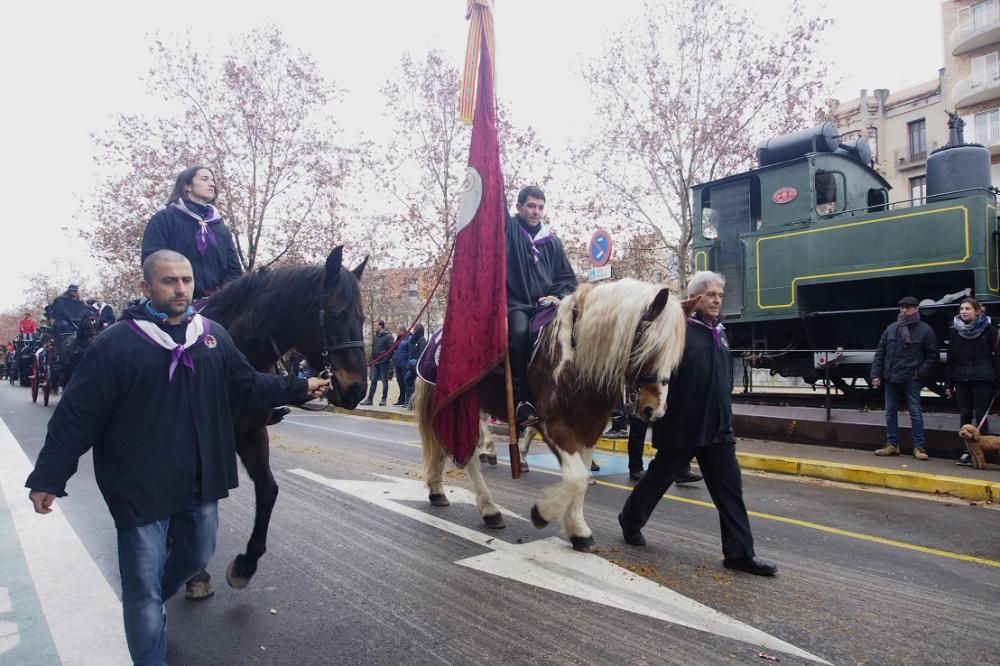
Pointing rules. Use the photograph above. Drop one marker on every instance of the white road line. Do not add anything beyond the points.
(393, 440)
(83, 613)
(552, 564)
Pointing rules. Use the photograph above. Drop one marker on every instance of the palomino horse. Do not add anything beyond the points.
(606, 341)
(315, 310)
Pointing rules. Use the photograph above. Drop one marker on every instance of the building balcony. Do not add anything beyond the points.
(967, 36)
(989, 137)
(906, 159)
(976, 89)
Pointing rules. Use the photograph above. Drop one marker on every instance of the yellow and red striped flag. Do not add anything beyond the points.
(480, 16)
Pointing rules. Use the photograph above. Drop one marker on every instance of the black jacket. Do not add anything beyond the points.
(699, 402)
(64, 311)
(158, 445)
(535, 267)
(973, 360)
(896, 362)
(106, 315)
(174, 229)
(417, 344)
(380, 345)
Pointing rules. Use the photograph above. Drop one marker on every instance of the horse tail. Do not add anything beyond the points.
(434, 454)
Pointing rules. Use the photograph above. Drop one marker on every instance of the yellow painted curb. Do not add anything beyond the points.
(970, 489)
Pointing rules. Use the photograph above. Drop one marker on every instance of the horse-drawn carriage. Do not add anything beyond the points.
(20, 362)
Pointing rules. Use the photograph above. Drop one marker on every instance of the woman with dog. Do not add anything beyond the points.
(972, 373)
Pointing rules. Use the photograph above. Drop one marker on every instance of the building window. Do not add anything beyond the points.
(985, 127)
(918, 190)
(985, 70)
(976, 17)
(917, 133)
(414, 292)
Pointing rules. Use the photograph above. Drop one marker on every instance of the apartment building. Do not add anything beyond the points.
(971, 48)
(904, 127)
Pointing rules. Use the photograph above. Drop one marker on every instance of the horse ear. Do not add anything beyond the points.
(360, 268)
(656, 307)
(333, 264)
(688, 305)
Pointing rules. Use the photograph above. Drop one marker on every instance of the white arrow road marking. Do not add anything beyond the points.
(83, 613)
(9, 637)
(552, 564)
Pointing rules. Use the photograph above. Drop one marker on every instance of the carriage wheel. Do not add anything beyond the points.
(34, 382)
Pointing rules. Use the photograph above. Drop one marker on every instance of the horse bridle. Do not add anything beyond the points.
(630, 389)
(327, 371)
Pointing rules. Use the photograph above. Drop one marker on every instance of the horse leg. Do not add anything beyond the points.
(488, 451)
(484, 499)
(557, 498)
(575, 528)
(434, 456)
(524, 444)
(254, 452)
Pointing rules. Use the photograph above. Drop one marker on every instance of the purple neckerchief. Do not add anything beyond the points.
(716, 330)
(178, 353)
(543, 236)
(203, 235)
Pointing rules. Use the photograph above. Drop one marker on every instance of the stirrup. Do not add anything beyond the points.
(525, 414)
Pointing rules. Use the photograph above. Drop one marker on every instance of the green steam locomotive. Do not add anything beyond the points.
(816, 257)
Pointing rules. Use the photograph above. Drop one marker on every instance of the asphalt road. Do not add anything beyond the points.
(361, 570)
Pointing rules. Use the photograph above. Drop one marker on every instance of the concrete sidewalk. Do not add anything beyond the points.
(935, 476)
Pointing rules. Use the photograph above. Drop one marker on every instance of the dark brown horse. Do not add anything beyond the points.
(314, 310)
(615, 340)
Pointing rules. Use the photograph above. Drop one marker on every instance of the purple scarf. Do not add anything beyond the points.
(203, 235)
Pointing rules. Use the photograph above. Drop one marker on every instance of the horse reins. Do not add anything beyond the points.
(630, 390)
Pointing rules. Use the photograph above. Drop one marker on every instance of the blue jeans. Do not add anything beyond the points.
(895, 393)
(152, 572)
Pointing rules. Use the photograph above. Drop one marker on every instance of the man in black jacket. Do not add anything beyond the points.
(699, 424)
(907, 354)
(381, 344)
(538, 275)
(162, 436)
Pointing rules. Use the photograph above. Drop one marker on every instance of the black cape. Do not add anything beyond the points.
(173, 229)
(158, 445)
(699, 402)
(535, 267)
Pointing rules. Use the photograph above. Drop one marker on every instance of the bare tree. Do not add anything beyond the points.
(257, 116)
(683, 93)
(421, 170)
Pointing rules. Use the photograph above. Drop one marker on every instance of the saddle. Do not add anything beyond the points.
(427, 364)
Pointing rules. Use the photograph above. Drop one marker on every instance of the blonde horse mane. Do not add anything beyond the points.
(607, 316)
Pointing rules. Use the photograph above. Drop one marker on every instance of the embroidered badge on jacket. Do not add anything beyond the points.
(210, 341)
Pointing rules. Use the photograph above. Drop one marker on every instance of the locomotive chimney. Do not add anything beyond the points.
(956, 129)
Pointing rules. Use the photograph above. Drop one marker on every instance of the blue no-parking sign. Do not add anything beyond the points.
(600, 248)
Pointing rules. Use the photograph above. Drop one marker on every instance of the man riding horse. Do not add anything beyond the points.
(538, 275)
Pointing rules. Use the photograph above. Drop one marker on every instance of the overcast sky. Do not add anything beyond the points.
(69, 67)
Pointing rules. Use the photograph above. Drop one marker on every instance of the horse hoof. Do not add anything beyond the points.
(584, 544)
(439, 499)
(483, 457)
(524, 466)
(536, 518)
(236, 581)
(494, 521)
(491, 460)
(198, 590)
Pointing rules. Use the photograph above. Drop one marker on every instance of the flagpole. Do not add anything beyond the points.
(515, 453)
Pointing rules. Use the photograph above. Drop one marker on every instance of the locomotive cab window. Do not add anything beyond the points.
(709, 223)
(830, 192)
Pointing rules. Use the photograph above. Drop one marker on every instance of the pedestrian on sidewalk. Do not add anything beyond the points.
(162, 434)
(907, 354)
(972, 372)
(400, 363)
(381, 344)
(699, 424)
(417, 344)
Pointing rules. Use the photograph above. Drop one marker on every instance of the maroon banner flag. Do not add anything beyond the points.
(475, 332)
